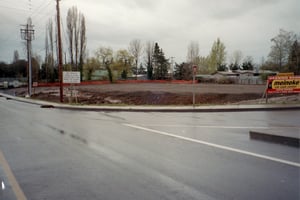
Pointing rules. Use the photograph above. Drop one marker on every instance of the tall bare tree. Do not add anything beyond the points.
(82, 48)
(50, 32)
(236, 57)
(76, 31)
(70, 32)
(104, 54)
(76, 35)
(193, 53)
(281, 47)
(135, 48)
(49, 46)
(149, 58)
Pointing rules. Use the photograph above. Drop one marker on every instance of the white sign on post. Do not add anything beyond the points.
(71, 77)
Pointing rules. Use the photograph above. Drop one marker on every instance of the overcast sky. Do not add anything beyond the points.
(245, 25)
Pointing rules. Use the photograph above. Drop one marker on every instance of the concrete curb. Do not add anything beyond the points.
(215, 108)
(176, 109)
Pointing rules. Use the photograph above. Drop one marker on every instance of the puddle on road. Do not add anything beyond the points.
(71, 135)
(110, 115)
(78, 138)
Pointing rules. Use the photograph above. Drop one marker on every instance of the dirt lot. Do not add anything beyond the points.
(150, 94)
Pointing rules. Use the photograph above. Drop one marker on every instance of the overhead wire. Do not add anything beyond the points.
(14, 8)
(37, 11)
(65, 42)
(12, 4)
(43, 20)
(44, 10)
(41, 8)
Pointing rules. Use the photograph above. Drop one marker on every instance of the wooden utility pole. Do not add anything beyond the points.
(60, 61)
(27, 34)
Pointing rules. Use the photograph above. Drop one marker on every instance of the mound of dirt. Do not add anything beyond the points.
(148, 98)
(152, 94)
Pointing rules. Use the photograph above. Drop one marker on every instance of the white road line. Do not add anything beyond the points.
(222, 127)
(295, 164)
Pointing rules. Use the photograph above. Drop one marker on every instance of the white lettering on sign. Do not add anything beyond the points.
(71, 77)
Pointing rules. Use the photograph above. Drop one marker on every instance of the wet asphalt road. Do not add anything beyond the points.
(59, 154)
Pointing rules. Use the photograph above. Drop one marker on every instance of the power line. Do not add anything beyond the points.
(30, 5)
(40, 8)
(14, 8)
(43, 21)
(9, 2)
(38, 21)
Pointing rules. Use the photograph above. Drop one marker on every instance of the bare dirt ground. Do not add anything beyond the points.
(156, 94)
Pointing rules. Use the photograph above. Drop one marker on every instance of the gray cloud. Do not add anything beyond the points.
(232, 9)
(241, 24)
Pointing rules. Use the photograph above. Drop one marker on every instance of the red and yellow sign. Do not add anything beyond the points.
(283, 84)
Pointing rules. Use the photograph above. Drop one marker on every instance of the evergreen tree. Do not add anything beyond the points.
(16, 56)
(160, 63)
(149, 50)
(234, 67)
(141, 69)
(183, 71)
(222, 68)
(149, 70)
(247, 65)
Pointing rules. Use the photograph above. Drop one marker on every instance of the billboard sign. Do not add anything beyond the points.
(283, 84)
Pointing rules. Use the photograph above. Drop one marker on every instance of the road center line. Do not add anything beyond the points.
(295, 164)
(222, 127)
(11, 178)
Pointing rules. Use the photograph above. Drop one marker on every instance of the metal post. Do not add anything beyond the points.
(193, 90)
(194, 73)
(172, 67)
(30, 69)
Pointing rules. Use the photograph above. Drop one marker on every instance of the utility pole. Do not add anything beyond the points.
(27, 33)
(60, 61)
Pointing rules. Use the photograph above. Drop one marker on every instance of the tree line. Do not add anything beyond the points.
(126, 62)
